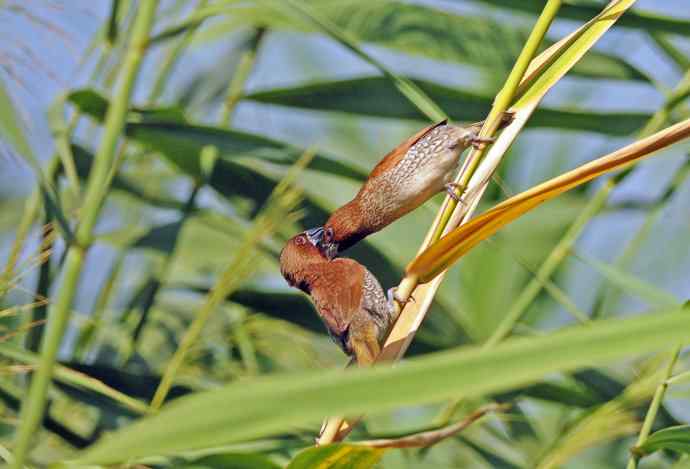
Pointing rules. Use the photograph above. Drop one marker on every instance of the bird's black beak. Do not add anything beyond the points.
(315, 236)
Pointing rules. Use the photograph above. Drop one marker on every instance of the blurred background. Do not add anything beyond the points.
(166, 233)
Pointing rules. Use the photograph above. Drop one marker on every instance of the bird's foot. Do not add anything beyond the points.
(507, 117)
(393, 298)
(480, 142)
(451, 187)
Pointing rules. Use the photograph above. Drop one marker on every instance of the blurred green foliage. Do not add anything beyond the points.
(187, 189)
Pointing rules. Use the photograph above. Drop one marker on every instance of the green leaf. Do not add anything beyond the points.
(406, 87)
(95, 105)
(230, 461)
(161, 238)
(280, 303)
(556, 392)
(655, 297)
(83, 159)
(339, 456)
(163, 130)
(673, 438)
(376, 97)
(112, 32)
(423, 31)
(268, 405)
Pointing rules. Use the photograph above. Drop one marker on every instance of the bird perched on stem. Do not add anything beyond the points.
(404, 179)
(347, 297)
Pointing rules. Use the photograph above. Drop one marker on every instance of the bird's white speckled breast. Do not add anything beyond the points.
(424, 170)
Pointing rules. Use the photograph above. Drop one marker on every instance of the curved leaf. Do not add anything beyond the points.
(440, 255)
(267, 405)
(422, 31)
(163, 130)
(376, 97)
(672, 438)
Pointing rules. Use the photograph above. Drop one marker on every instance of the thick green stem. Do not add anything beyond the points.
(96, 191)
(653, 409)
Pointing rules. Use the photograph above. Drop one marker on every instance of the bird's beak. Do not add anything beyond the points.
(330, 250)
(315, 236)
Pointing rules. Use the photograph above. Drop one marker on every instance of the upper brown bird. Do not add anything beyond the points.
(348, 298)
(404, 179)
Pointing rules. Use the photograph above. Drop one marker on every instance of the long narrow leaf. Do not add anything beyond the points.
(406, 87)
(267, 405)
(453, 246)
(376, 97)
(417, 30)
(165, 130)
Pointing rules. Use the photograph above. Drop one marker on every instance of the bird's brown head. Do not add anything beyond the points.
(345, 228)
(299, 255)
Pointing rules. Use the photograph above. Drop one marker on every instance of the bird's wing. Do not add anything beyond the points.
(398, 153)
(338, 294)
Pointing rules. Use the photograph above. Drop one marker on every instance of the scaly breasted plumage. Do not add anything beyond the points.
(404, 179)
(347, 297)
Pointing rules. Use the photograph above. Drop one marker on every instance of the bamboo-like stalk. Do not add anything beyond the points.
(409, 317)
(654, 407)
(96, 191)
(501, 103)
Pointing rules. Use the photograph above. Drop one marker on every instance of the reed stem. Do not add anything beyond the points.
(96, 191)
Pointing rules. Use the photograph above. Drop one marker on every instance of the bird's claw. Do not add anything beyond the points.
(451, 187)
(393, 297)
(479, 142)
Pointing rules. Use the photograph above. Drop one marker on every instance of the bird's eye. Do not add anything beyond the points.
(300, 240)
(328, 235)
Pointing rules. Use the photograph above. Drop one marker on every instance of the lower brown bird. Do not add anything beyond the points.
(404, 179)
(347, 297)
